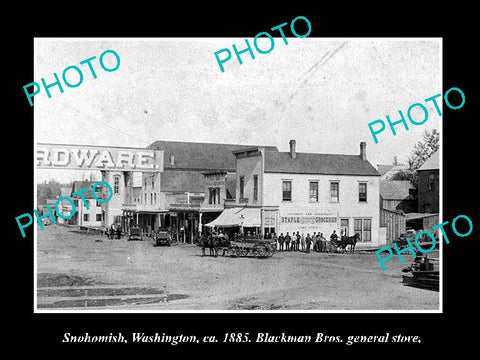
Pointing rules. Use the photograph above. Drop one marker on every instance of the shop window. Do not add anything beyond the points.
(364, 228)
(344, 226)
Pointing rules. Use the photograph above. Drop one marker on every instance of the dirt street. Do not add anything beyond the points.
(286, 281)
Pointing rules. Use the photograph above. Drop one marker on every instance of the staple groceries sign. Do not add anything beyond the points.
(85, 157)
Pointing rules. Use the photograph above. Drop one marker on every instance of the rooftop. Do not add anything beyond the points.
(181, 181)
(79, 185)
(200, 156)
(395, 190)
(309, 163)
(433, 162)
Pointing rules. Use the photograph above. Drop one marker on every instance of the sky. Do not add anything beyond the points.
(322, 92)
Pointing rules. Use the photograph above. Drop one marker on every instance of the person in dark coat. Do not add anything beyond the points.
(297, 241)
(287, 241)
(308, 242)
(281, 240)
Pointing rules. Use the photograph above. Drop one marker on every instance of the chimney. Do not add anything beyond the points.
(363, 150)
(293, 153)
(172, 159)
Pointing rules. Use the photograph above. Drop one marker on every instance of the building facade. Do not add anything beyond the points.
(429, 185)
(89, 213)
(289, 192)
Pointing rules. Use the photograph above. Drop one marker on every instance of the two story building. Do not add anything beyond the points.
(279, 192)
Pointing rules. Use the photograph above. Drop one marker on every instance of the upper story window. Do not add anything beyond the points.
(313, 191)
(431, 181)
(362, 192)
(287, 190)
(334, 191)
(242, 187)
(255, 187)
(116, 185)
(214, 196)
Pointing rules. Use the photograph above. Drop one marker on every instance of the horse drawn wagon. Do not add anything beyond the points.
(239, 246)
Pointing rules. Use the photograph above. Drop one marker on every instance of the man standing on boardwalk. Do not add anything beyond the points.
(281, 240)
(308, 241)
(287, 241)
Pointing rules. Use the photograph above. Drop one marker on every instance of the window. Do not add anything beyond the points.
(98, 217)
(155, 197)
(334, 191)
(367, 229)
(97, 204)
(357, 227)
(145, 199)
(431, 181)
(427, 208)
(116, 184)
(286, 190)
(364, 228)
(362, 192)
(242, 186)
(153, 182)
(255, 187)
(214, 196)
(344, 226)
(86, 217)
(151, 199)
(313, 194)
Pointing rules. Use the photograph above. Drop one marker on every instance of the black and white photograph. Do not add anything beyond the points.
(257, 186)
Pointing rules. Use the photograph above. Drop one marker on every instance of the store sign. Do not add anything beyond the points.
(85, 157)
(308, 221)
(269, 218)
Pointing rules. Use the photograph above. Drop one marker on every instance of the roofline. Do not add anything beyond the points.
(211, 143)
(196, 169)
(429, 169)
(322, 173)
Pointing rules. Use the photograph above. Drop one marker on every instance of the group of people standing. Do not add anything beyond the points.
(300, 242)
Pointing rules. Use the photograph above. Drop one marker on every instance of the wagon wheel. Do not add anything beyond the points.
(242, 252)
(261, 251)
(271, 251)
(232, 250)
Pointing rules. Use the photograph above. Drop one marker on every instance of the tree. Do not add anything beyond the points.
(421, 152)
(424, 149)
(50, 190)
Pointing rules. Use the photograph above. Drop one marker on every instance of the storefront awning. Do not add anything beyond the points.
(247, 217)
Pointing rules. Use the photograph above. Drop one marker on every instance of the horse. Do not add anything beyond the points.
(213, 243)
(348, 240)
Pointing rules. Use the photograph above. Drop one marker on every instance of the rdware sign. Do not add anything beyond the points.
(85, 157)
